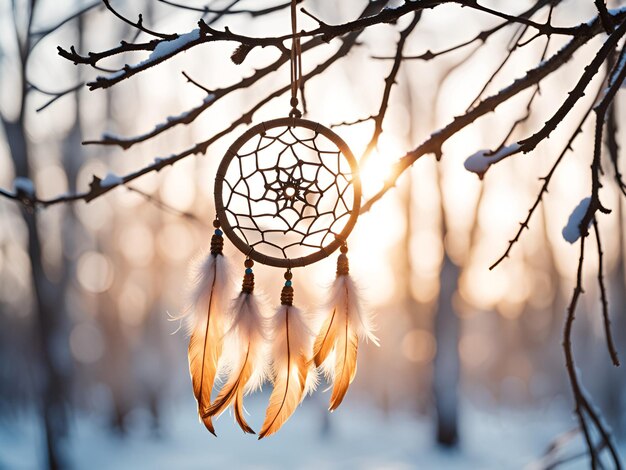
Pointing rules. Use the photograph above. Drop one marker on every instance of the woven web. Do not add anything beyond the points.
(288, 192)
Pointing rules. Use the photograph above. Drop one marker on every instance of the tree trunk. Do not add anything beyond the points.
(48, 313)
(446, 363)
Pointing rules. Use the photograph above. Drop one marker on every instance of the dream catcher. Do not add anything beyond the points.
(287, 194)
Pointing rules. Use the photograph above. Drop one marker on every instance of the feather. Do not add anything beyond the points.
(325, 341)
(247, 367)
(290, 363)
(206, 329)
(345, 364)
(340, 333)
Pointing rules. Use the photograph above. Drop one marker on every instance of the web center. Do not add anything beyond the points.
(290, 192)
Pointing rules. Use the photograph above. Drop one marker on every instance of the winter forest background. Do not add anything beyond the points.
(470, 372)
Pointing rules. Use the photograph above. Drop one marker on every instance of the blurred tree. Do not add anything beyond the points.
(50, 325)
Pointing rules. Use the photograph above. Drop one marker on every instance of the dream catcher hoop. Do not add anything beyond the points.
(288, 186)
(287, 194)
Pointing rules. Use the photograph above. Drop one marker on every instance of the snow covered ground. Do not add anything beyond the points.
(360, 437)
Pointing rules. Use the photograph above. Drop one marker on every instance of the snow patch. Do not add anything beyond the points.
(162, 49)
(571, 231)
(480, 162)
(112, 76)
(24, 185)
(111, 179)
(110, 136)
(166, 48)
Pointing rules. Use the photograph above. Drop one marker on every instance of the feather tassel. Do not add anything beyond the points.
(248, 364)
(340, 333)
(206, 325)
(291, 362)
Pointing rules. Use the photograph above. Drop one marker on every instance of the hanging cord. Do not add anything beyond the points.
(296, 63)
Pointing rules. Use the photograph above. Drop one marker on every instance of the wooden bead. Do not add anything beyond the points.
(248, 263)
(216, 223)
(288, 276)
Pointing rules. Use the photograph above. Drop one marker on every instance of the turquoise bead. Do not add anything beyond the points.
(219, 233)
(288, 283)
(248, 270)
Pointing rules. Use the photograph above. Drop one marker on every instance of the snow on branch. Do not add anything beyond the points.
(24, 186)
(163, 50)
(433, 144)
(571, 232)
(111, 179)
(482, 160)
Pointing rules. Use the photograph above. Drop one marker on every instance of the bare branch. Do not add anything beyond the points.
(546, 182)
(138, 24)
(578, 92)
(605, 17)
(40, 34)
(390, 81)
(603, 298)
(193, 82)
(54, 94)
(533, 76)
(228, 11)
(158, 203)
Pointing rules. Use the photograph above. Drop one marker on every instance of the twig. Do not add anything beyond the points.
(138, 24)
(435, 141)
(544, 189)
(480, 37)
(165, 207)
(192, 81)
(54, 94)
(611, 134)
(225, 11)
(508, 56)
(390, 81)
(605, 17)
(577, 92)
(569, 357)
(546, 182)
(96, 189)
(603, 298)
(40, 34)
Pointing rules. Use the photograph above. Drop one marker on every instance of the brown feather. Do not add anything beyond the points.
(234, 390)
(345, 365)
(208, 423)
(239, 413)
(205, 348)
(288, 389)
(325, 340)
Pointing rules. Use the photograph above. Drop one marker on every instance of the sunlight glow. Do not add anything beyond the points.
(95, 272)
(419, 346)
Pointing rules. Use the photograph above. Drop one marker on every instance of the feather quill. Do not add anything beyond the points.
(206, 326)
(291, 365)
(247, 365)
(340, 333)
